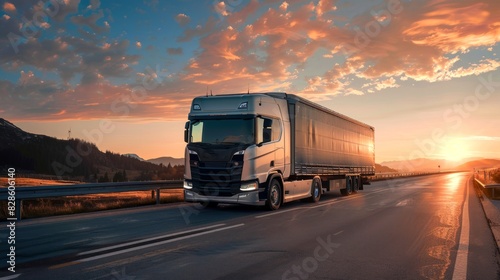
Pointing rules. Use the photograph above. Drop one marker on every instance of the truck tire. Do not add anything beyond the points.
(348, 187)
(274, 195)
(315, 190)
(355, 185)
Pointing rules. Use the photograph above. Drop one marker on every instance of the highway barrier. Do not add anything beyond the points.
(484, 179)
(28, 192)
(394, 175)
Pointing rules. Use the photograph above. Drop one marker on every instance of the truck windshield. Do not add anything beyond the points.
(223, 131)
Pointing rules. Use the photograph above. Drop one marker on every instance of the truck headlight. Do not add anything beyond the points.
(188, 185)
(249, 186)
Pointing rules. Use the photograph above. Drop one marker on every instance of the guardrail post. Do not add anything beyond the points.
(157, 196)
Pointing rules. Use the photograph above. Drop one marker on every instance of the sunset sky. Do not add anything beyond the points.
(121, 74)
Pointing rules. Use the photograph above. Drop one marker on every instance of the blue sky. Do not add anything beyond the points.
(409, 68)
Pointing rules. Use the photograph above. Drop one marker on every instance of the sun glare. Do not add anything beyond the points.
(454, 149)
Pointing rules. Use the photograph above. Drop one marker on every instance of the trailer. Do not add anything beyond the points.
(272, 148)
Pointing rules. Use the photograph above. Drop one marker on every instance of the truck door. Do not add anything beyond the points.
(268, 138)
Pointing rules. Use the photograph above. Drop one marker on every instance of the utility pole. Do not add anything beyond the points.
(69, 134)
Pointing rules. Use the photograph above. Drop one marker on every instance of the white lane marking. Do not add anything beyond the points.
(319, 204)
(338, 233)
(77, 241)
(155, 244)
(10, 277)
(460, 270)
(402, 203)
(146, 240)
(279, 212)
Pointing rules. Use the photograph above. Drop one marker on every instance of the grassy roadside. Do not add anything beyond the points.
(86, 203)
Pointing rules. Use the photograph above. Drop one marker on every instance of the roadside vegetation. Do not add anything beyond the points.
(495, 176)
(86, 203)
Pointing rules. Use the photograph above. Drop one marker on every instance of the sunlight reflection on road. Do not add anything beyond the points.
(444, 234)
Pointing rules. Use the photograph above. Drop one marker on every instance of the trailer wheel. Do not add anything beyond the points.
(348, 187)
(355, 184)
(315, 190)
(274, 195)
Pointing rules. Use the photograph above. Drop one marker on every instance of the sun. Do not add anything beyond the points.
(454, 149)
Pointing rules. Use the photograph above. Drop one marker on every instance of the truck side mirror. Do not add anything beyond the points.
(186, 132)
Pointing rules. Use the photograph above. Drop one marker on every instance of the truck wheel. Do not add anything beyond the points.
(274, 195)
(348, 187)
(315, 190)
(355, 184)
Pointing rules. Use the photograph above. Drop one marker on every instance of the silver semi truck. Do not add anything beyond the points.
(272, 148)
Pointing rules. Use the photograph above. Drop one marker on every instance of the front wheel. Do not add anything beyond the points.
(274, 195)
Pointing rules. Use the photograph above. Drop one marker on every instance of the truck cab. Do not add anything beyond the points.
(235, 143)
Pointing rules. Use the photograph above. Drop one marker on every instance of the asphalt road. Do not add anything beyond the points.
(409, 228)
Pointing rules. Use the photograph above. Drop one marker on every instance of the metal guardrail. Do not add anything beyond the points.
(483, 179)
(22, 193)
(390, 175)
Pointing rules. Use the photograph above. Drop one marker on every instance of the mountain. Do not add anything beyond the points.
(73, 158)
(383, 169)
(478, 164)
(134, 156)
(11, 135)
(420, 164)
(423, 164)
(166, 160)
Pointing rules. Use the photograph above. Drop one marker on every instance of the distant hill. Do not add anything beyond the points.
(481, 163)
(420, 164)
(166, 160)
(383, 169)
(73, 158)
(134, 156)
(423, 164)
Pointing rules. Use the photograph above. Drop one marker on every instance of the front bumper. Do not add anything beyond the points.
(246, 198)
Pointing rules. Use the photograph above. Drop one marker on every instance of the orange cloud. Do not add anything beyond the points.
(457, 26)
(264, 48)
(9, 7)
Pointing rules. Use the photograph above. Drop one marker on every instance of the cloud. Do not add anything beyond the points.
(199, 31)
(182, 19)
(9, 7)
(414, 42)
(91, 22)
(94, 5)
(34, 99)
(265, 45)
(457, 26)
(221, 8)
(70, 56)
(174, 51)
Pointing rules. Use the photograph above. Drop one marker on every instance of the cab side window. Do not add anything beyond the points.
(268, 130)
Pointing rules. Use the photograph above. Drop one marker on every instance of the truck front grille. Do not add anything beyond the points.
(216, 178)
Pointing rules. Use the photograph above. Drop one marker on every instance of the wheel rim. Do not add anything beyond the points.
(316, 189)
(274, 195)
